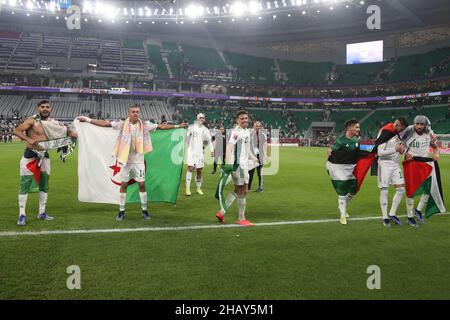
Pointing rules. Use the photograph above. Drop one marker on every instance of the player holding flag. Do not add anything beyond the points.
(389, 147)
(132, 143)
(239, 160)
(422, 174)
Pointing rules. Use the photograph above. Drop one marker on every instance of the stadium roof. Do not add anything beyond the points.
(249, 22)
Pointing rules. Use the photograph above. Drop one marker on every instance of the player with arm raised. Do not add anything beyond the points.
(131, 145)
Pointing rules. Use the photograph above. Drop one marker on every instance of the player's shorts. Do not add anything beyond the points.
(196, 162)
(134, 171)
(240, 176)
(389, 174)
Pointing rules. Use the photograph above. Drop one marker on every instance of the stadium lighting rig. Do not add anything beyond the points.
(178, 10)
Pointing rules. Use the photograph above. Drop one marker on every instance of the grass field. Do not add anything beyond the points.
(299, 261)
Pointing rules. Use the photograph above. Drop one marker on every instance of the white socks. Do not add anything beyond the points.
(122, 201)
(143, 196)
(410, 207)
(22, 203)
(423, 202)
(199, 183)
(399, 192)
(188, 178)
(342, 201)
(241, 201)
(384, 202)
(42, 201)
(229, 201)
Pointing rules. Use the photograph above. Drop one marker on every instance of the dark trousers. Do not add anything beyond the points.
(260, 178)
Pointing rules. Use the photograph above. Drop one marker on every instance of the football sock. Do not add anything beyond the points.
(42, 201)
(410, 207)
(143, 196)
(384, 202)
(22, 203)
(342, 200)
(188, 179)
(423, 202)
(122, 201)
(229, 201)
(399, 192)
(241, 200)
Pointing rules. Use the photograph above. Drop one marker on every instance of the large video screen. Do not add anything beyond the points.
(365, 52)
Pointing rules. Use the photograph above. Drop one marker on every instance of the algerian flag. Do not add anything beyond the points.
(422, 176)
(98, 172)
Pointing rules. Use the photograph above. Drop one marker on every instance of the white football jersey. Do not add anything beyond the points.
(196, 135)
(386, 151)
(241, 139)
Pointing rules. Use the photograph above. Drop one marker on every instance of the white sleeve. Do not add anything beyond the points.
(207, 137)
(382, 151)
(233, 138)
(117, 125)
(151, 126)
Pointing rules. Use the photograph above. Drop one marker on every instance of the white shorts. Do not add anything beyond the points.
(389, 174)
(240, 176)
(196, 162)
(134, 171)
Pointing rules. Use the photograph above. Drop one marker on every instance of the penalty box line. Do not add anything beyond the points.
(180, 228)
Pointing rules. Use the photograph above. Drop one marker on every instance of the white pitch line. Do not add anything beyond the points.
(181, 228)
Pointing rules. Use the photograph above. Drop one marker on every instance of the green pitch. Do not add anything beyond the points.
(303, 261)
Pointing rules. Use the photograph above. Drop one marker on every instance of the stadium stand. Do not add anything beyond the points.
(159, 67)
(252, 69)
(203, 58)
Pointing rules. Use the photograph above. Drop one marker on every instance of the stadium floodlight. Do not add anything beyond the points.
(87, 7)
(30, 5)
(193, 11)
(141, 12)
(109, 11)
(276, 4)
(238, 8)
(12, 3)
(253, 7)
(269, 6)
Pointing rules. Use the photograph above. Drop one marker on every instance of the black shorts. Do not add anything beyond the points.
(29, 154)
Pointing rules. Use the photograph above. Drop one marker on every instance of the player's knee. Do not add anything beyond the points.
(400, 190)
(384, 190)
